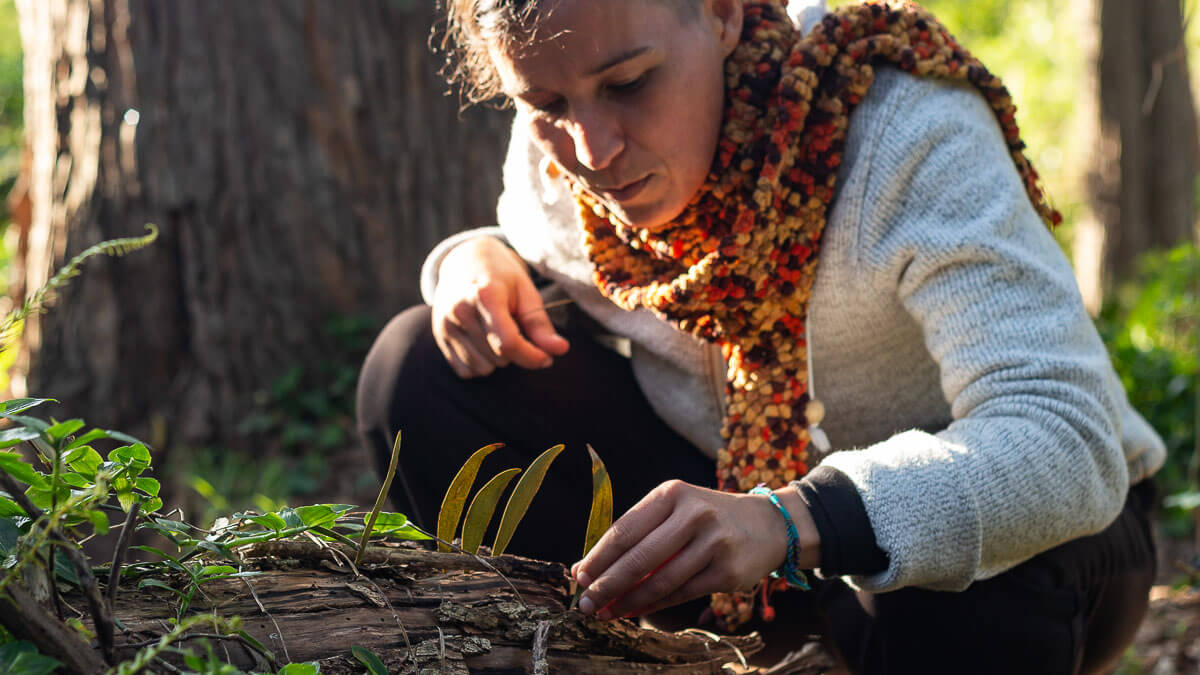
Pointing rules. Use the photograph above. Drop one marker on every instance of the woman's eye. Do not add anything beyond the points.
(628, 86)
(552, 107)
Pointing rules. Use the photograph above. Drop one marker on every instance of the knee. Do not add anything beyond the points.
(404, 343)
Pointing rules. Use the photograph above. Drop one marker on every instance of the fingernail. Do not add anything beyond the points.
(584, 579)
(547, 363)
(586, 605)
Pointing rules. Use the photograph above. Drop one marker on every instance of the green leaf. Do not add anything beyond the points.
(270, 521)
(30, 422)
(321, 514)
(456, 494)
(171, 560)
(252, 641)
(600, 517)
(368, 658)
(9, 508)
(99, 521)
(215, 571)
(479, 514)
(151, 505)
(158, 583)
(9, 533)
(16, 405)
(16, 436)
(147, 485)
(396, 525)
(64, 569)
(23, 658)
(290, 517)
(14, 465)
(85, 460)
(75, 480)
(522, 496)
(124, 489)
(93, 435)
(308, 668)
(61, 430)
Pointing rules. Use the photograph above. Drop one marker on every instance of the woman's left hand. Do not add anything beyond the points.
(682, 542)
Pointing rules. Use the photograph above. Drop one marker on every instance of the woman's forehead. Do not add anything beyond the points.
(582, 38)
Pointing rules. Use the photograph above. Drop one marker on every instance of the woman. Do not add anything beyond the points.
(966, 496)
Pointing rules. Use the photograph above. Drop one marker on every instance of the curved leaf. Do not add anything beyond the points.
(16, 405)
(600, 518)
(456, 494)
(482, 507)
(521, 497)
(368, 658)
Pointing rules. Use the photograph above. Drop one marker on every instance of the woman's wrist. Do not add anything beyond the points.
(806, 527)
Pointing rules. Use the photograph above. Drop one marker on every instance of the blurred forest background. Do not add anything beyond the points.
(301, 158)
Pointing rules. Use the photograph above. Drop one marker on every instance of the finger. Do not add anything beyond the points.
(466, 318)
(663, 581)
(502, 332)
(479, 362)
(707, 581)
(637, 565)
(535, 322)
(627, 532)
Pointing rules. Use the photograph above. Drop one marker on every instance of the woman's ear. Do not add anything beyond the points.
(726, 16)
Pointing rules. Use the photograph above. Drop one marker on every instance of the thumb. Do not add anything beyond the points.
(535, 322)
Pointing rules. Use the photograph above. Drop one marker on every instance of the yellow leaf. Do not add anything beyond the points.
(482, 508)
(600, 518)
(456, 495)
(521, 497)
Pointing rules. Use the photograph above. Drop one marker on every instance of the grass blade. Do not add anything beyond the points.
(456, 495)
(369, 659)
(482, 507)
(521, 497)
(383, 494)
(600, 518)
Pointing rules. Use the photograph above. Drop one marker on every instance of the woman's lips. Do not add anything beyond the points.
(625, 192)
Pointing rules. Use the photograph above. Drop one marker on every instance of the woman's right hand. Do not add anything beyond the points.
(487, 312)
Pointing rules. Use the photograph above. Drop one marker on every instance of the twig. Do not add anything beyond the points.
(483, 562)
(278, 631)
(122, 547)
(166, 665)
(546, 306)
(101, 615)
(395, 614)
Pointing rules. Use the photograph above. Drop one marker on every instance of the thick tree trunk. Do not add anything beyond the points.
(1143, 185)
(300, 159)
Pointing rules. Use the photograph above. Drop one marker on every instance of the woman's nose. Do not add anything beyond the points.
(597, 137)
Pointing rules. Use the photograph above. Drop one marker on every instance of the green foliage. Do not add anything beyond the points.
(23, 658)
(1152, 329)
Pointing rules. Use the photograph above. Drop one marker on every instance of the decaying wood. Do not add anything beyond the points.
(457, 615)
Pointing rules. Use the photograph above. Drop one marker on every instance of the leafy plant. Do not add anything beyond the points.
(1152, 329)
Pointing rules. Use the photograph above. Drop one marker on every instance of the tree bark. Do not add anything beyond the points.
(420, 609)
(1143, 187)
(300, 159)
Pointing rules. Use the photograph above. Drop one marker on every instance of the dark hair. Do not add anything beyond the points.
(470, 24)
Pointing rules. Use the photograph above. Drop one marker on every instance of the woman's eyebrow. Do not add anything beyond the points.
(619, 58)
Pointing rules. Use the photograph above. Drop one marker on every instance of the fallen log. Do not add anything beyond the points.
(419, 609)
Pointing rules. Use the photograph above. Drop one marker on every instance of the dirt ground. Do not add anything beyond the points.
(1169, 639)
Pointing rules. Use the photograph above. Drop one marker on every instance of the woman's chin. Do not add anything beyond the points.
(649, 217)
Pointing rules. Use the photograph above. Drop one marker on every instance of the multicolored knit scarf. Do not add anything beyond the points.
(737, 266)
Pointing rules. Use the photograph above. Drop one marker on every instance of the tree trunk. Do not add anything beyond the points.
(1143, 187)
(300, 159)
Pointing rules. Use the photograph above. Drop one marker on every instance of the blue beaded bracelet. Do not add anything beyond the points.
(790, 571)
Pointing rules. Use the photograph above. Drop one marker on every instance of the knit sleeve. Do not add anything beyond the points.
(1032, 457)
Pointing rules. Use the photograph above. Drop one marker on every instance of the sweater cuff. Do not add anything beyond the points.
(847, 540)
(433, 261)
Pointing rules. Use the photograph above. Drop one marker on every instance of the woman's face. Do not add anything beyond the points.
(626, 96)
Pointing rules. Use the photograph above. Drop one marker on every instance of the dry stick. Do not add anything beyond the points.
(548, 305)
(278, 630)
(114, 575)
(101, 615)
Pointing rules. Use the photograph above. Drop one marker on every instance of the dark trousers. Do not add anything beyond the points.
(1072, 609)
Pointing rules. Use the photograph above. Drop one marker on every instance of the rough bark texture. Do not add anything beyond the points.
(300, 159)
(1143, 186)
(419, 609)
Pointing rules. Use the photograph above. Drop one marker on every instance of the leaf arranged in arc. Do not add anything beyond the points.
(600, 517)
(522, 496)
(479, 514)
(369, 659)
(456, 495)
(16, 405)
